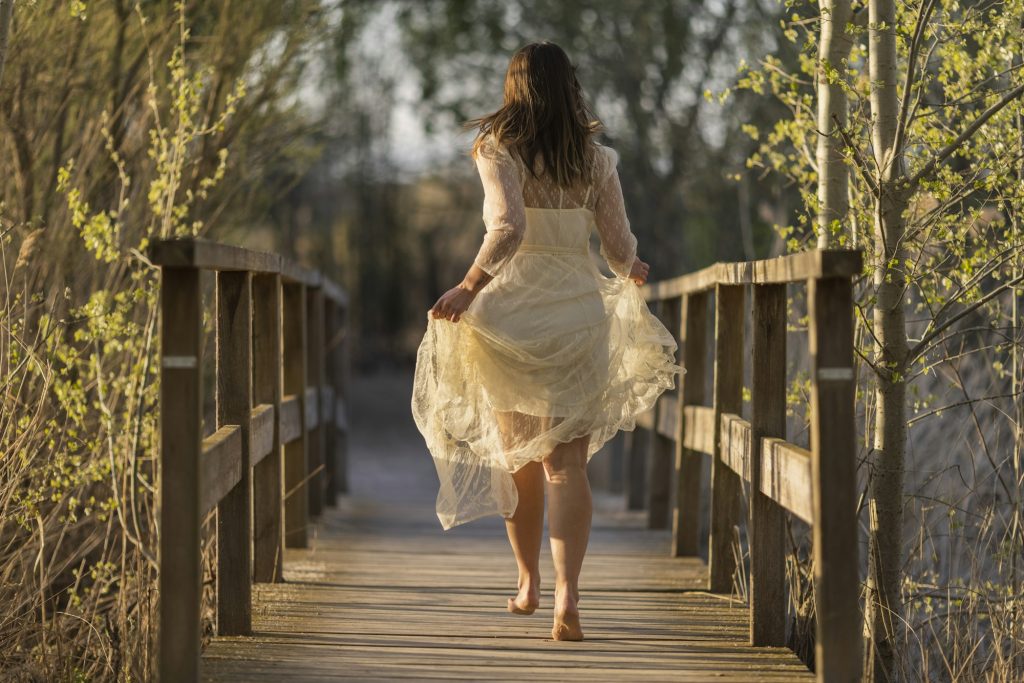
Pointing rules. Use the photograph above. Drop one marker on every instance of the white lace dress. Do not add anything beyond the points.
(550, 350)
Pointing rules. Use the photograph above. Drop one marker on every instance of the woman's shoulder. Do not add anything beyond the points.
(489, 146)
(606, 159)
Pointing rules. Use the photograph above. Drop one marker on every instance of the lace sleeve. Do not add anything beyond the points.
(618, 243)
(503, 213)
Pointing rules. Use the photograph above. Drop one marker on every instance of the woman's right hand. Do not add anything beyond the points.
(638, 273)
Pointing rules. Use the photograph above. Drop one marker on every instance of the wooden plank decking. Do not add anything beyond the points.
(383, 593)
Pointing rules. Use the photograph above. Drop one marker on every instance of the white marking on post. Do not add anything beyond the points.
(179, 362)
(834, 374)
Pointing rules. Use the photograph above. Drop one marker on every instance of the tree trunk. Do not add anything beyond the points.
(884, 606)
(833, 48)
(6, 11)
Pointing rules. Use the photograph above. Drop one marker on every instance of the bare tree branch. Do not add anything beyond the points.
(922, 345)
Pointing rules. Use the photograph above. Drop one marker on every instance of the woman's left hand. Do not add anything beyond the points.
(453, 303)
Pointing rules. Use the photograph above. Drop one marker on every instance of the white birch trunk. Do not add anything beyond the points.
(833, 48)
(884, 606)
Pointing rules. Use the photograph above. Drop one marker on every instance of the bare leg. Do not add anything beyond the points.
(525, 529)
(569, 514)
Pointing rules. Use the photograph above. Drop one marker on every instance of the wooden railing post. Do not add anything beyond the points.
(330, 427)
(315, 381)
(833, 472)
(234, 407)
(293, 310)
(661, 467)
(267, 486)
(638, 444)
(340, 374)
(181, 405)
(726, 486)
(768, 418)
(688, 464)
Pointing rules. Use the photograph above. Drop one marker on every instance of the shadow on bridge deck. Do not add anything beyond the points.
(383, 593)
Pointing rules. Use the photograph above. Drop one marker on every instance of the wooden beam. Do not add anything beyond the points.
(815, 263)
(833, 473)
(662, 454)
(181, 404)
(291, 418)
(338, 374)
(699, 434)
(735, 444)
(786, 476)
(234, 406)
(205, 255)
(688, 463)
(220, 468)
(726, 486)
(293, 273)
(267, 474)
(311, 408)
(767, 522)
(333, 292)
(296, 465)
(262, 431)
(636, 463)
(315, 381)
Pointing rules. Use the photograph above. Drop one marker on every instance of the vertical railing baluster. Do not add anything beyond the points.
(181, 436)
(768, 418)
(689, 464)
(267, 484)
(662, 454)
(727, 397)
(639, 443)
(341, 381)
(234, 407)
(315, 382)
(330, 429)
(833, 471)
(293, 309)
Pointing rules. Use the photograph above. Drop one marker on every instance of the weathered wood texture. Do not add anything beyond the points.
(816, 263)
(234, 407)
(384, 594)
(767, 521)
(237, 470)
(688, 463)
(315, 382)
(267, 483)
(662, 453)
(636, 464)
(726, 487)
(833, 435)
(296, 465)
(181, 428)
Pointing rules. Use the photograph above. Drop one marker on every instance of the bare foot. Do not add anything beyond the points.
(527, 600)
(567, 617)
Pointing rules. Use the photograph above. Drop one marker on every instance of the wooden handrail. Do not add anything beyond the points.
(264, 443)
(817, 484)
(206, 255)
(805, 265)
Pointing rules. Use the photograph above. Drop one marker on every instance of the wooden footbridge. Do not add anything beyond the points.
(330, 563)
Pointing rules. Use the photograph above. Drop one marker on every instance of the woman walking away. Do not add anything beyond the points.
(532, 362)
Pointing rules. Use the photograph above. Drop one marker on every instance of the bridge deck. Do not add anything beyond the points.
(383, 593)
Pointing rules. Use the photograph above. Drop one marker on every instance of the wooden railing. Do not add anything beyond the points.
(816, 485)
(277, 453)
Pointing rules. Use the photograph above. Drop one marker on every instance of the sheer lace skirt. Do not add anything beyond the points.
(525, 369)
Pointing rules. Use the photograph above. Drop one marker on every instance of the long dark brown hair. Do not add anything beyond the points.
(544, 115)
